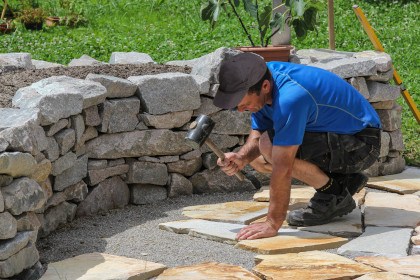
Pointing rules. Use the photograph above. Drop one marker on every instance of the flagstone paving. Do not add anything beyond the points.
(389, 241)
(409, 265)
(208, 271)
(236, 212)
(309, 265)
(95, 266)
(385, 276)
(291, 240)
(299, 196)
(407, 182)
(390, 209)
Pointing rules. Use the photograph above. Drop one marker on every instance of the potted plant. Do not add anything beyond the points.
(32, 18)
(301, 15)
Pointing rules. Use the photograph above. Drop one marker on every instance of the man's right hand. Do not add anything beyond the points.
(232, 163)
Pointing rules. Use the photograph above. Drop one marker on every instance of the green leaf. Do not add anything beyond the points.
(250, 8)
(310, 18)
(264, 21)
(300, 28)
(278, 21)
(210, 11)
(299, 7)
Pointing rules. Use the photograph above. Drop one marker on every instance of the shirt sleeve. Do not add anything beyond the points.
(260, 121)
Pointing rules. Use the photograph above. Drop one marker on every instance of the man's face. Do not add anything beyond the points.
(251, 102)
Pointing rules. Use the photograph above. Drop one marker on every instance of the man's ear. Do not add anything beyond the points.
(266, 86)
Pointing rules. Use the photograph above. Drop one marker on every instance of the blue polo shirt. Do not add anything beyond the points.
(311, 99)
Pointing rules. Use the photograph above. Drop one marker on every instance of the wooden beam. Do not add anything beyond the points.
(331, 24)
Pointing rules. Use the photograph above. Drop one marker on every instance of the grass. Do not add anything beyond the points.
(172, 30)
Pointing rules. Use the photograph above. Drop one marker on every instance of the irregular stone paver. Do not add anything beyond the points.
(347, 226)
(406, 182)
(385, 276)
(409, 265)
(379, 240)
(291, 241)
(208, 270)
(102, 266)
(389, 209)
(221, 232)
(236, 212)
(314, 265)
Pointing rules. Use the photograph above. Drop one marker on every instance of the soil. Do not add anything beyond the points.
(10, 82)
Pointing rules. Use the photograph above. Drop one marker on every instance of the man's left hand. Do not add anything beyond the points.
(257, 230)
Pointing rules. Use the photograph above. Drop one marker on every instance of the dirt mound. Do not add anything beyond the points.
(10, 82)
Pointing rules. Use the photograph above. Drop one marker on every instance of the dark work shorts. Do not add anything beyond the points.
(340, 153)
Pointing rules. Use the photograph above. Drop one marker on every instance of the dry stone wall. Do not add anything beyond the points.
(73, 147)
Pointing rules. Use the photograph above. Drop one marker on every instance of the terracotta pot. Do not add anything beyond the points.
(52, 21)
(270, 53)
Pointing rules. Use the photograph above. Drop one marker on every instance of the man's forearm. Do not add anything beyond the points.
(279, 198)
(251, 150)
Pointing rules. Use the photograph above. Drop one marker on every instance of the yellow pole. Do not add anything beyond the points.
(378, 46)
(331, 24)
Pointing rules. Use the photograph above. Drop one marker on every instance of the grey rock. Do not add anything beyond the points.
(90, 133)
(185, 167)
(53, 151)
(203, 84)
(179, 185)
(72, 175)
(385, 241)
(349, 67)
(214, 88)
(384, 105)
(56, 127)
(34, 272)
(207, 107)
(15, 61)
(397, 143)
(168, 120)
(147, 173)
(28, 221)
(91, 116)
(360, 84)
(24, 259)
(63, 163)
(208, 65)
(130, 58)
(390, 119)
(4, 181)
(320, 55)
(85, 60)
(221, 141)
(1, 196)
(14, 245)
(17, 164)
(382, 76)
(40, 64)
(8, 228)
(115, 87)
(149, 159)
(212, 181)
(137, 144)
(392, 166)
(168, 159)
(115, 162)
(120, 115)
(46, 187)
(109, 194)
(66, 139)
(167, 92)
(141, 126)
(78, 124)
(55, 217)
(191, 155)
(75, 193)
(232, 122)
(3, 145)
(23, 195)
(383, 60)
(97, 164)
(59, 97)
(209, 160)
(385, 140)
(382, 92)
(41, 171)
(145, 194)
(99, 175)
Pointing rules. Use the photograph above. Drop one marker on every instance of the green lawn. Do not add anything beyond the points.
(173, 30)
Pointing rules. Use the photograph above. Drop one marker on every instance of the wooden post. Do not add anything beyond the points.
(331, 24)
(4, 9)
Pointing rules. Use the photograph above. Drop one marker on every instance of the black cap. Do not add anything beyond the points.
(236, 76)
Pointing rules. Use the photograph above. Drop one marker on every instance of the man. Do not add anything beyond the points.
(307, 123)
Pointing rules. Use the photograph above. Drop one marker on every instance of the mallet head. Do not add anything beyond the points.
(200, 130)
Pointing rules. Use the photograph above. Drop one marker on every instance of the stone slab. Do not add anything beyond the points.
(386, 241)
(236, 212)
(385, 276)
(102, 266)
(220, 232)
(409, 265)
(208, 270)
(406, 182)
(393, 210)
(347, 226)
(314, 265)
(291, 241)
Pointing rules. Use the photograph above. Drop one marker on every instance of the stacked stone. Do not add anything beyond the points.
(370, 73)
